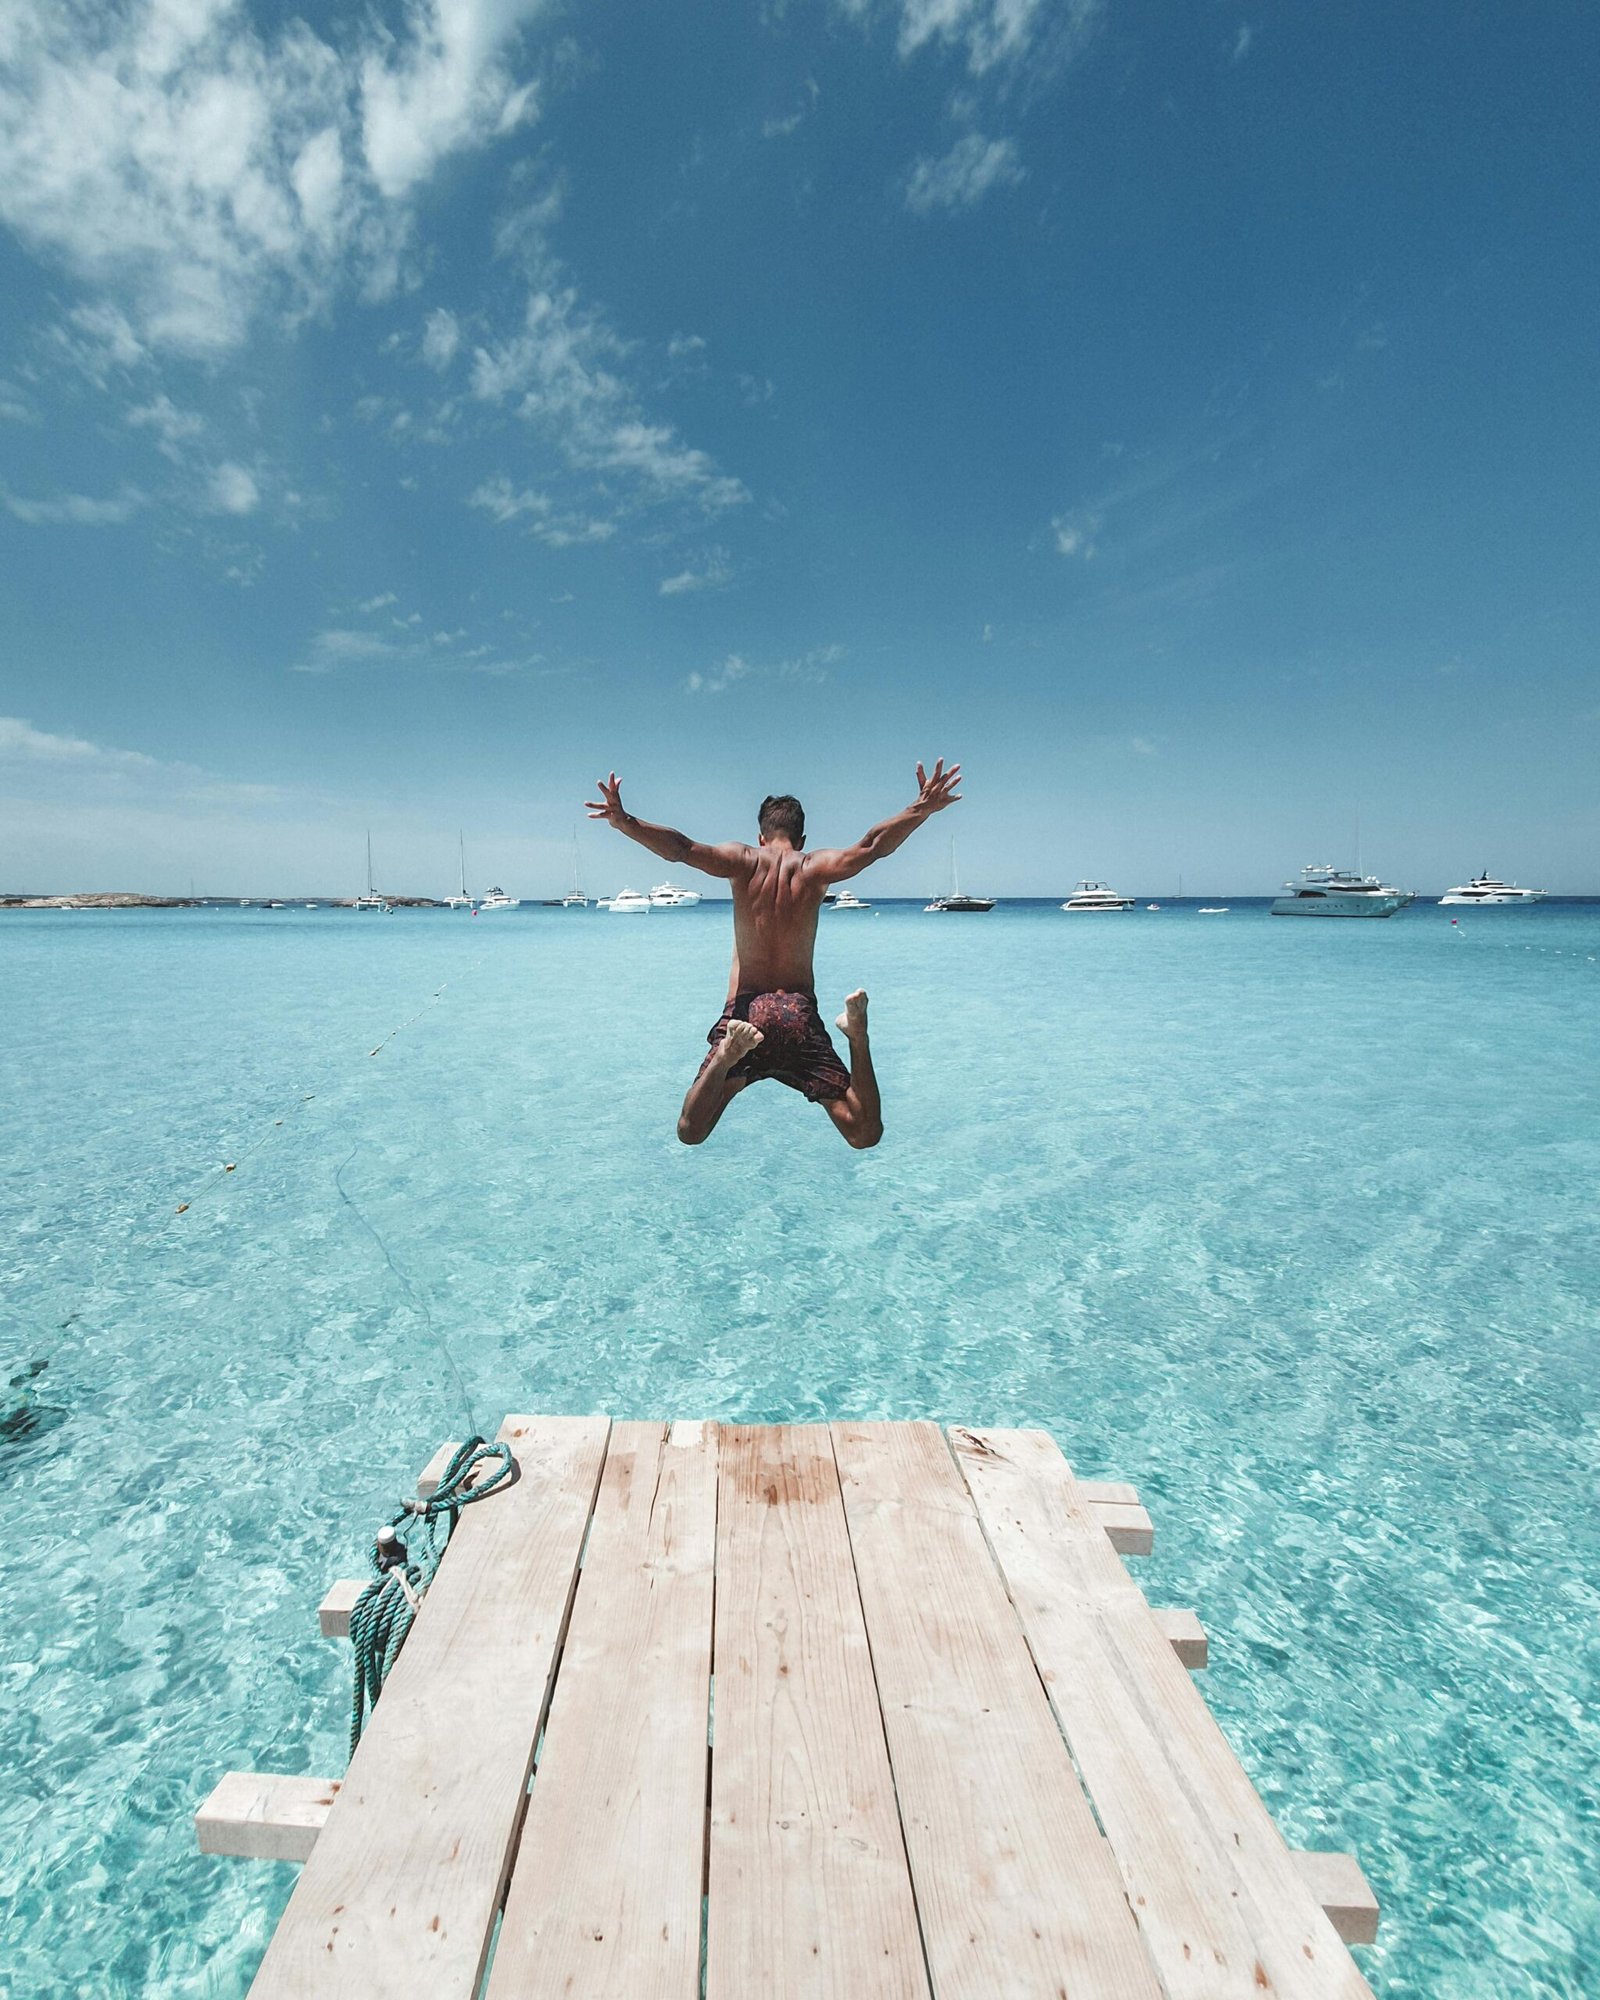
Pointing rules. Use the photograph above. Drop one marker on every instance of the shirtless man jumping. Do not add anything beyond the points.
(770, 1026)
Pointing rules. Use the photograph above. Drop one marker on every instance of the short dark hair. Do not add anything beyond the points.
(782, 813)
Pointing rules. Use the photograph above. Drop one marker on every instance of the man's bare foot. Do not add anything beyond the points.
(853, 1021)
(737, 1042)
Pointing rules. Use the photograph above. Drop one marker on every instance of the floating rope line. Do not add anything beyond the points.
(403, 1566)
(417, 1300)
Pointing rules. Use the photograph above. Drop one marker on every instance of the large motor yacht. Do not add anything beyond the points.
(664, 896)
(1485, 888)
(1096, 896)
(497, 899)
(847, 899)
(1336, 892)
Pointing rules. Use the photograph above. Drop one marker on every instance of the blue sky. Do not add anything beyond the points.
(1184, 414)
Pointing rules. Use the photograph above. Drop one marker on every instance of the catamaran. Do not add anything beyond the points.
(575, 899)
(461, 900)
(1096, 896)
(371, 900)
(955, 904)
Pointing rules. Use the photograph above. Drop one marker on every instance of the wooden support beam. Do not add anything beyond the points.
(1343, 1891)
(263, 1818)
(1129, 1527)
(435, 1469)
(333, 1613)
(1183, 1632)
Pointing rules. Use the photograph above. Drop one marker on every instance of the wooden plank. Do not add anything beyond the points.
(1198, 1849)
(1108, 1493)
(810, 1898)
(264, 1818)
(333, 1613)
(1018, 1894)
(605, 1895)
(429, 1477)
(399, 1895)
(1184, 1633)
(1129, 1530)
(1345, 1894)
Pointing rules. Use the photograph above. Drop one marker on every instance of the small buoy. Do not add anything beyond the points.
(231, 1167)
(181, 1209)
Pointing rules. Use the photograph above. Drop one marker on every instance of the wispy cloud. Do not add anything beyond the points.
(77, 510)
(715, 570)
(192, 167)
(563, 372)
(812, 666)
(406, 645)
(171, 427)
(1242, 41)
(991, 33)
(1075, 534)
(233, 490)
(66, 764)
(504, 502)
(441, 336)
(962, 177)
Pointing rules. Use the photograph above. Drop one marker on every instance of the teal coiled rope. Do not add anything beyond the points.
(403, 1567)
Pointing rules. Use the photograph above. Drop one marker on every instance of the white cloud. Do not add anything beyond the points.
(499, 498)
(21, 743)
(448, 89)
(441, 336)
(732, 669)
(812, 666)
(1141, 746)
(564, 367)
(340, 647)
(380, 603)
(173, 428)
(1242, 41)
(233, 490)
(963, 176)
(77, 510)
(1075, 534)
(991, 32)
(192, 167)
(713, 573)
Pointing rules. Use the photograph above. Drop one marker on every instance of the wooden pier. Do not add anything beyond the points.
(801, 1712)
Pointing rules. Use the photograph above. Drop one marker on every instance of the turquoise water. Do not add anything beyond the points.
(1290, 1223)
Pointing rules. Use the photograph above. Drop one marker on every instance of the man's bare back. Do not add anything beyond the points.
(770, 1026)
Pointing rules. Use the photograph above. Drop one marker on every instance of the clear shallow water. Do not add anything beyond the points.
(1290, 1223)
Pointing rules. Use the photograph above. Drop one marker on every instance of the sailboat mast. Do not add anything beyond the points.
(461, 842)
(955, 879)
(369, 860)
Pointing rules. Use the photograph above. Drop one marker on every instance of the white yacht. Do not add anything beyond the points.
(664, 896)
(955, 904)
(461, 900)
(1336, 892)
(846, 899)
(371, 900)
(1096, 896)
(629, 903)
(497, 899)
(1485, 888)
(575, 899)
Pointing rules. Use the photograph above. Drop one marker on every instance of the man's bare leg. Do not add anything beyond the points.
(712, 1092)
(859, 1113)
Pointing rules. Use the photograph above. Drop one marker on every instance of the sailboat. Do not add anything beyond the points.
(955, 904)
(575, 899)
(461, 900)
(371, 900)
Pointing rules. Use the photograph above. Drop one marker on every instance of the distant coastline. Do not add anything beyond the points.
(118, 899)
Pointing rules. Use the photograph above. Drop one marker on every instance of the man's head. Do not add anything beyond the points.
(782, 818)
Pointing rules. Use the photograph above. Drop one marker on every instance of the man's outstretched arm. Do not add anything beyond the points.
(728, 859)
(935, 791)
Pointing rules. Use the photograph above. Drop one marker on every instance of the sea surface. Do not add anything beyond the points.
(1293, 1224)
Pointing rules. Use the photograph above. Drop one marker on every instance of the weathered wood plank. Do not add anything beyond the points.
(809, 1893)
(1183, 1632)
(1018, 1894)
(399, 1895)
(1109, 1492)
(1198, 1849)
(333, 1613)
(263, 1818)
(605, 1895)
(1129, 1529)
(1345, 1894)
(429, 1477)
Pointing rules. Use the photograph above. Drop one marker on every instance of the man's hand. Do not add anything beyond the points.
(609, 804)
(938, 791)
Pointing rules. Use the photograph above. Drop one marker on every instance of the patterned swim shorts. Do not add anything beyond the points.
(795, 1049)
